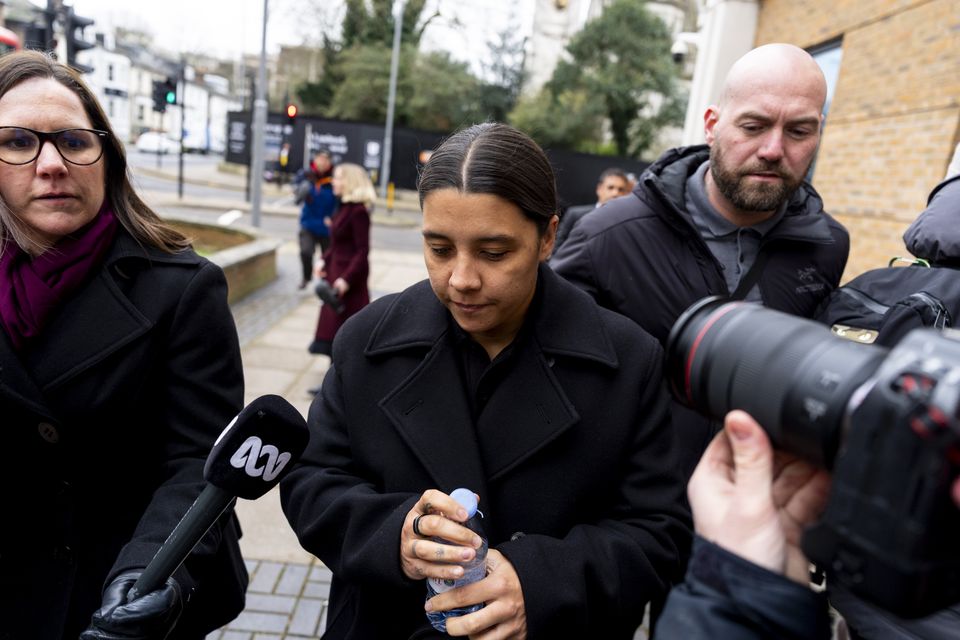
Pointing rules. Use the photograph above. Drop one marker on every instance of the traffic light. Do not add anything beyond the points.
(164, 93)
(170, 91)
(159, 96)
(75, 41)
(291, 113)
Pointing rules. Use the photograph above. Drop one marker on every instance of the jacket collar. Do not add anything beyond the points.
(668, 176)
(416, 319)
(98, 321)
(79, 336)
(430, 414)
(126, 248)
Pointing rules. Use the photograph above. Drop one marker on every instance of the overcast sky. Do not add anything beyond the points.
(227, 28)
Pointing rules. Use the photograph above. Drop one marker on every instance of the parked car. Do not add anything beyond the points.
(156, 142)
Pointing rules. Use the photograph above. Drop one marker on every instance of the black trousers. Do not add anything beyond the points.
(308, 246)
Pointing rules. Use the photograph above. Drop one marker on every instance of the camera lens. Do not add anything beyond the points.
(792, 375)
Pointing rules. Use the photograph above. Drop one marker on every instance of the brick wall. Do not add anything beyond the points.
(895, 116)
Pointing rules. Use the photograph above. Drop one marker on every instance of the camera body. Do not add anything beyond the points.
(886, 422)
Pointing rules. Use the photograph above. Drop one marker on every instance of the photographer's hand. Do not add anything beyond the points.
(754, 503)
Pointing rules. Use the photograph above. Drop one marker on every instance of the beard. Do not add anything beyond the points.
(746, 195)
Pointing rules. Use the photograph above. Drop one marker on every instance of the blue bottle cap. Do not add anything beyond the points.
(467, 500)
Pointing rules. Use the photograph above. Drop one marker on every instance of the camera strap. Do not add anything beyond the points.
(750, 277)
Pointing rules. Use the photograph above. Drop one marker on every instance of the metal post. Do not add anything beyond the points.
(259, 125)
(162, 134)
(248, 106)
(56, 23)
(391, 101)
(307, 134)
(183, 122)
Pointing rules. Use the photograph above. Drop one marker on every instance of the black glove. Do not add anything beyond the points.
(149, 617)
(329, 296)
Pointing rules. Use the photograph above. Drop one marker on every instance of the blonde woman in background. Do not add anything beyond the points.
(345, 265)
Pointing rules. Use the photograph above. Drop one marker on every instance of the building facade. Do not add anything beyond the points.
(110, 82)
(893, 68)
(556, 22)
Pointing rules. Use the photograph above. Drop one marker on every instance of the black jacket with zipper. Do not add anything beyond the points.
(641, 255)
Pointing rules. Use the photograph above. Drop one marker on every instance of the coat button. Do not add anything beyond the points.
(48, 432)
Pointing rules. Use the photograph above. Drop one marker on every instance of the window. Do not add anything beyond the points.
(828, 57)
(110, 72)
(140, 113)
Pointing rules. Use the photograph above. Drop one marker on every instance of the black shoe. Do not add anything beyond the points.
(303, 284)
(328, 295)
(314, 390)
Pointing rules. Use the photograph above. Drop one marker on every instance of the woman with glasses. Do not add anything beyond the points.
(119, 366)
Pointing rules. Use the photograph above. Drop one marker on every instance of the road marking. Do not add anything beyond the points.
(229, 217)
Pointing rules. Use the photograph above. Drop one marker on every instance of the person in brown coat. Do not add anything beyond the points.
(345, 265)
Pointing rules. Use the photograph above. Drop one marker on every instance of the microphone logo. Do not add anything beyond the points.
(249, 453)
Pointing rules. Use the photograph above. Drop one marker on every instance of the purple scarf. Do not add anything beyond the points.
(31, 290)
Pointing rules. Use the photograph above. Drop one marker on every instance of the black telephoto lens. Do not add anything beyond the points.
(791, 374)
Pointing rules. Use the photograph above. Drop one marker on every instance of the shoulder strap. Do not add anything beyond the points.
(750, 277)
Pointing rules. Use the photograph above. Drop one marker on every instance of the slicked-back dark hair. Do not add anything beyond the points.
(135, 216)
(499, 160)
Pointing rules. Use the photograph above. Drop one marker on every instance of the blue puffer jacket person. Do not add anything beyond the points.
(319, 204)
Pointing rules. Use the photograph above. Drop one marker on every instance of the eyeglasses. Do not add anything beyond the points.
(19, 145)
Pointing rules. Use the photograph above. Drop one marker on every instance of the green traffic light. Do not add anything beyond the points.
(171, 97)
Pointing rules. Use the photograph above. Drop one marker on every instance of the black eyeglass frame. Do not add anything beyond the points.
(51, 136)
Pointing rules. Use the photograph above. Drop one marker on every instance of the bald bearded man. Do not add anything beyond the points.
(733, 217)
(702, 216)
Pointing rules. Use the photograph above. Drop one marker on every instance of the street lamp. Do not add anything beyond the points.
(259, 124)
(391, 100)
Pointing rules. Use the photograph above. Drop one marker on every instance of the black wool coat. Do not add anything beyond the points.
(107, 419)
(572, 457)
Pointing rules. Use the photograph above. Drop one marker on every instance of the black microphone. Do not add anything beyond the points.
(248, 459)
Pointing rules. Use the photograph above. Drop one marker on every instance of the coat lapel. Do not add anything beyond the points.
(529, 408)
(16, 382)
(92, 325)
(429, 408)
(433, 417)
(527, 412)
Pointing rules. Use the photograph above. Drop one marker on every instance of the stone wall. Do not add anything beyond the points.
(248, 260)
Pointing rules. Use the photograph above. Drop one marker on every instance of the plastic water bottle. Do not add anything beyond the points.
(473, 571)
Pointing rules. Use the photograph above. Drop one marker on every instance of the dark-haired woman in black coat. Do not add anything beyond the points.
(498, 376)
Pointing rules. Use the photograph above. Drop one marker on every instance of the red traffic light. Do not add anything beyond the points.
(291, 111)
